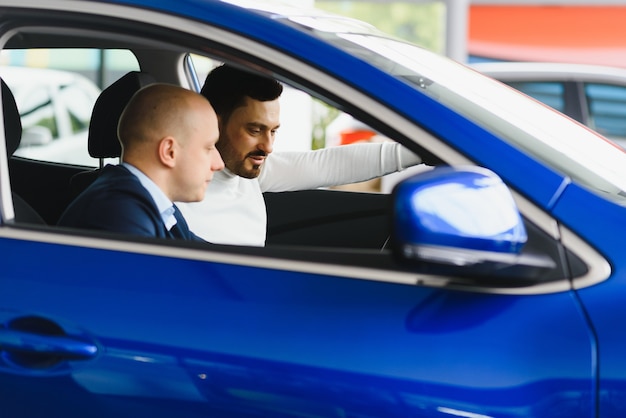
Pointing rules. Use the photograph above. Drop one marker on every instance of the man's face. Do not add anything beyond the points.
(247, 137)
(199, 157)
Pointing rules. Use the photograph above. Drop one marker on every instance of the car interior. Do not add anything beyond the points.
(340, 219)
(342, 227)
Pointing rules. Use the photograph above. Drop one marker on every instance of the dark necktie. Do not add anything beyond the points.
(180, 230)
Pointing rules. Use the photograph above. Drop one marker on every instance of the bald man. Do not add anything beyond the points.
(168, 136)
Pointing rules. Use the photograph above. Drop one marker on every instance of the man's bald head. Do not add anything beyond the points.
(154, 112)
(169, 133)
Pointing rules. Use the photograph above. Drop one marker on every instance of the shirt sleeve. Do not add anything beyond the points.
(334, 166)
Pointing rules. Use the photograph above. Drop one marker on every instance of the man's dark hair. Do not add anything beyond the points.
(226, 88)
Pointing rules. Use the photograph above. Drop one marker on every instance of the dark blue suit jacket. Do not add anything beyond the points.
(117, 201)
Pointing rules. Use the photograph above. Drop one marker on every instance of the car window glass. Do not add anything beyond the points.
(550, 93)
(545, 134)
(607, 108)
(55, 90)
(78, 102)
(35, 106)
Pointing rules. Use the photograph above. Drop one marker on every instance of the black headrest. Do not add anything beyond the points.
(103, 141)
(12, 121)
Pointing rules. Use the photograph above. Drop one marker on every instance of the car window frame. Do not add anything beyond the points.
(302, 75)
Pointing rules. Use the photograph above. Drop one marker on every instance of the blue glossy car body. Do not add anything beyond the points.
(151, 329)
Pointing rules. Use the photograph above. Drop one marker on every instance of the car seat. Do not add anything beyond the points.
(24, 213)
(102, 141)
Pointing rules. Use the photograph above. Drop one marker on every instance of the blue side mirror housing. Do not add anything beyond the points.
(456, 216)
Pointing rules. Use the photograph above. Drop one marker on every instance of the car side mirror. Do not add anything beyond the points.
(459, 220)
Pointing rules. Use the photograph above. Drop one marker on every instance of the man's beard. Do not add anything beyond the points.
(241, 169)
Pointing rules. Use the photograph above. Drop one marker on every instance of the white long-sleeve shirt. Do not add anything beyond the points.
(233, 210)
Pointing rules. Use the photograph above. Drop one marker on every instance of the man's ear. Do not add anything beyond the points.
(167, 151)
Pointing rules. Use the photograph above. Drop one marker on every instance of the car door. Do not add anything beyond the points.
(101, 325)
(95, 327)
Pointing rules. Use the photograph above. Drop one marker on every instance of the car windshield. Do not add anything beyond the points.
(573, 149)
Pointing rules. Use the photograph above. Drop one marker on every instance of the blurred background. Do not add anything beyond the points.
(580, 31)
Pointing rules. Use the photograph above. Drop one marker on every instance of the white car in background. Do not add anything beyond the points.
(591, 94)
(55, 107)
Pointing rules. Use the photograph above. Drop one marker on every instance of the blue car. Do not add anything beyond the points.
(492, 284)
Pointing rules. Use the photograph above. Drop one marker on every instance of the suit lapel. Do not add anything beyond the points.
(180, 230)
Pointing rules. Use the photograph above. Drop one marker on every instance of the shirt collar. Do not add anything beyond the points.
(163, 203)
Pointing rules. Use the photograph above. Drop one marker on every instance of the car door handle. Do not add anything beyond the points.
(66, 347)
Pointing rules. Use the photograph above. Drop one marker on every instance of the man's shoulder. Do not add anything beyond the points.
(117, 178)
(113, 198)
(115, 186)
(110, 171)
